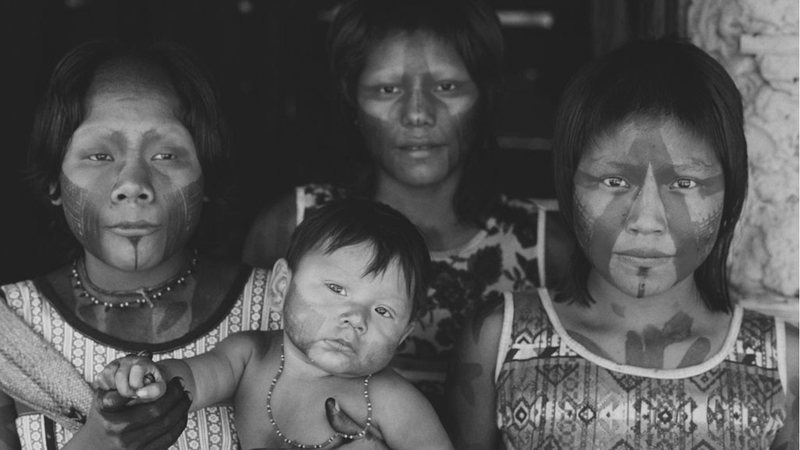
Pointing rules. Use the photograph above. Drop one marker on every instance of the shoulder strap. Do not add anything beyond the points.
(37, 375)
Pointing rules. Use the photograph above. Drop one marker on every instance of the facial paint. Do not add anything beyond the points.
(418, 132)
(616, 219)
(184, 206)
(83, 211)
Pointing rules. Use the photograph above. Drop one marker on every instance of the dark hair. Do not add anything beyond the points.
(63, 108)
(472, 28)
(655, 78)
(355, 221)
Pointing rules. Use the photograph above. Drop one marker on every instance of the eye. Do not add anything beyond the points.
(335, 288)
(383, 311)
(100, 157)
(616, 182)
(446, 87)
(683, 183)
(388, 90)
(164, 156)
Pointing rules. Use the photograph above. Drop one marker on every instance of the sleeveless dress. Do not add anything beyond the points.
(208, 428)
(553, 394)
(506, 254)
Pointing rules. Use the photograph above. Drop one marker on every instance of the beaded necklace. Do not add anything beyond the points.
(139, 297)
(336, 434)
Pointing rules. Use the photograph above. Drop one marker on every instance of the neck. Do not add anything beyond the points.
(626, 309)
(431, 208)
(111, 278)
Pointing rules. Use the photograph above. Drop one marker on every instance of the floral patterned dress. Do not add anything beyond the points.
(505, 254)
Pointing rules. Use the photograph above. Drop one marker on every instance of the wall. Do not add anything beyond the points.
(757, 41)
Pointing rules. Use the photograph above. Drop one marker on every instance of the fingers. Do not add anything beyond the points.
(146, 381)
(105, 379)
(344, 424)
(175, 419)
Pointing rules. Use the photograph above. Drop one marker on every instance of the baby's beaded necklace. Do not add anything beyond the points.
(296, 444)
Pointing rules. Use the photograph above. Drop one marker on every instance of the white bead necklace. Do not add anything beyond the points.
(296, 444)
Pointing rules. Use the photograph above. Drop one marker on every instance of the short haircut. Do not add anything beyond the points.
(355, 221)
(63, 107)
(472, 28)
(661, 78)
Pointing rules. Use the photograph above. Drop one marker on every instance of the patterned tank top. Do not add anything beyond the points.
(504, 255)
(208, 428)
(552, 393)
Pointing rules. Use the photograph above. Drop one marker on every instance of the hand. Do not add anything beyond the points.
(134, 377)
(342, 423)
(113, 423)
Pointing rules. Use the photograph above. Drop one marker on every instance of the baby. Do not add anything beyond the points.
(352, 277)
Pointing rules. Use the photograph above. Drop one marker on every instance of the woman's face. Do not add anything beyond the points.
(416, 109)
(131, 182)
(648, 202)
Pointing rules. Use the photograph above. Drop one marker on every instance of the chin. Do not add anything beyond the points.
(122, 258)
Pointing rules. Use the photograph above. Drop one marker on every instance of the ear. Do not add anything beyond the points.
(278, 283)
(409, 329)
(55, 198)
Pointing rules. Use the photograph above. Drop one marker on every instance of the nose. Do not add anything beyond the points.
(134, 183)
(355, 318)
(647, 214)
(418, 109)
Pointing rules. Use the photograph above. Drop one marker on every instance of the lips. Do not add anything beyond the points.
(340, 345)
(644, 253)
(418, 145)
(134, 228)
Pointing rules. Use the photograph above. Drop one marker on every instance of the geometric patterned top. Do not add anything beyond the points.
(552, 393)
(208, 428)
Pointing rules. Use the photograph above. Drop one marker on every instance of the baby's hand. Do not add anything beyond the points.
(134, 377)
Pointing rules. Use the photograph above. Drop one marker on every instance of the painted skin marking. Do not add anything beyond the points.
(415, 89)
(647, 349)
(606, 215)
(83, 214)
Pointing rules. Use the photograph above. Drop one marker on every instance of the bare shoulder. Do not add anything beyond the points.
(248, 344)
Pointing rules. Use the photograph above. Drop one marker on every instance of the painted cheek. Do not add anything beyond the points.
(596, 212)
(82, 213)
(685, 234)
(183, 207)
(302, 325)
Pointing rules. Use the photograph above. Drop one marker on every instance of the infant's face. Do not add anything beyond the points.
(648, 201)
(345, 322)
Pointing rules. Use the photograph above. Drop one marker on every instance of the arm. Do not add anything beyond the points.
(269, 235)
(8, 429)
(470, 390)
(787, 437)
(405, 418)
(209, 378)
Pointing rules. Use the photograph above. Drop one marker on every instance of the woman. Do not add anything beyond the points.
(644, 348)
(127, 144)
(418, 79)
